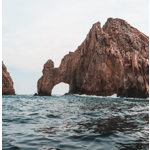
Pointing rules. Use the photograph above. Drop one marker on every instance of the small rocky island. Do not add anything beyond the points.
(112, 59)
(7, 83)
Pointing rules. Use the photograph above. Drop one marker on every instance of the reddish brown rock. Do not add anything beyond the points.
(7, 83)
(112, 59)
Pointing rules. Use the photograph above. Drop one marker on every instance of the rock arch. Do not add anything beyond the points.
(53, 76)
(112, 59)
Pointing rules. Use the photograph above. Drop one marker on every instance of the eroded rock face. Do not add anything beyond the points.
(112, 59)
(7, 83)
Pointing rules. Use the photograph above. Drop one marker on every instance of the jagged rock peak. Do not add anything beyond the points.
(112, 59)
(7, 83)
(118, 25)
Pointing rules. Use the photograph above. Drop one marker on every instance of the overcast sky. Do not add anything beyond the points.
(34, 31)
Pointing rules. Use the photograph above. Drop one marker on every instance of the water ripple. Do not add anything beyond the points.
(74, 122)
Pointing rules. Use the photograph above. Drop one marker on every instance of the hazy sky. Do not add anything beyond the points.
(34, 31)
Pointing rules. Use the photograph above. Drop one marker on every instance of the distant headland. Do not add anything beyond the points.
(7, 83)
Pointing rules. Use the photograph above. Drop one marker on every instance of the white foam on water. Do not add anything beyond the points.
(112, 96)
(84, 95)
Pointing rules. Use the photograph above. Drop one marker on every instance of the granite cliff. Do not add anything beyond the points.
(112, 59)
(7, 83)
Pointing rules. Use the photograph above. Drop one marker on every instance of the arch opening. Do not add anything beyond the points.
(60, 89)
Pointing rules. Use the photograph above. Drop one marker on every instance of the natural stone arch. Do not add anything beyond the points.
(53, 76)
(61, 88)
(112, 59)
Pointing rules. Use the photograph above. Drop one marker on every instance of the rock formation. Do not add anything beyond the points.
(112, 59)
(7, 83)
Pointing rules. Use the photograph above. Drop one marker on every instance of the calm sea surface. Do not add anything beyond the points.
(74, 122)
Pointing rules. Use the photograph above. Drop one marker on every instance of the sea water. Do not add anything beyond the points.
(74, 122)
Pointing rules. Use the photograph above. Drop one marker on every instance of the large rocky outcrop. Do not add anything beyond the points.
(7, 83)
(112, 59)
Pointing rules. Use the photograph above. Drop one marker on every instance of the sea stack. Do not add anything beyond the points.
(7, 83)
(112, 59)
